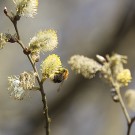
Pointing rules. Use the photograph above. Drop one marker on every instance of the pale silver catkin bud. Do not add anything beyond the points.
(84, 65)
(100, 58)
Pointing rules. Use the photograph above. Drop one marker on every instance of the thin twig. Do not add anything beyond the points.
(12, 19)
(16, 29)
(129, 128)
(21, 44)
(44, 99)
(45, 109)
(123, 106)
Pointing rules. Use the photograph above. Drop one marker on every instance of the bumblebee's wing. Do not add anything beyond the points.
(60, 86)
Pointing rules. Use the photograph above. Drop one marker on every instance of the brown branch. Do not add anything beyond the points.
(43, 95)
(16, 29)
(45, 109)
(13, 20)
(41, 89)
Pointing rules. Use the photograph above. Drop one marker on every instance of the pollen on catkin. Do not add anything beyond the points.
(50, 65)
(26, 8)
(124, 77)
(84, 65)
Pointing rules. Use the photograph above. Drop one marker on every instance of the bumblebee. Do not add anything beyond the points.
(60, 75)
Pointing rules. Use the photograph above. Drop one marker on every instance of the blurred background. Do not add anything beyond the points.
(82, 107)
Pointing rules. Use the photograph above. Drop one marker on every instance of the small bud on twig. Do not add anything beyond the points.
(5, 10)
(114, 95)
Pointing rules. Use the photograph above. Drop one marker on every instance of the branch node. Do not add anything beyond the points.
(26, 51)
(17, 18)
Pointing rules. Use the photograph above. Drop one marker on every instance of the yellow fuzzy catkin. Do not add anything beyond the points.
(50, 65)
